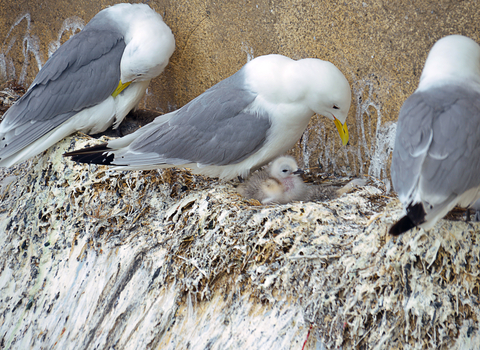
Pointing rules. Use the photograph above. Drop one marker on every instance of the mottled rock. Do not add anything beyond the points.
(95, 258)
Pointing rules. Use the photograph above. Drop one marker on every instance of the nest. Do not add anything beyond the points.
(333, 260)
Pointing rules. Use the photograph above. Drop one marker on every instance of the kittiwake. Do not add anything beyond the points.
(239, 124)
(91, 82)
(436, 157)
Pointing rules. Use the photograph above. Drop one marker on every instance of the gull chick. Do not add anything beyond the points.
(239, 124)
(281, 183)
(91, 82)
(436, 157)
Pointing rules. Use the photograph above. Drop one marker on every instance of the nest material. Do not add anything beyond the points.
(9, 93)
(334, 261)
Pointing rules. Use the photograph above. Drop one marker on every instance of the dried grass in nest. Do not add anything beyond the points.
(10, 91)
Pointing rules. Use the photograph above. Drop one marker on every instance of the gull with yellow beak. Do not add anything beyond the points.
(91, 82)
(239, 124)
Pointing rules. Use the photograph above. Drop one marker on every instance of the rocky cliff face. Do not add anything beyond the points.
(94, 258)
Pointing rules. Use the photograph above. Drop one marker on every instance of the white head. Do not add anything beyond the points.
(149, 41)
(327, 91)
(309, 86)
(454, 58)
(283, 168)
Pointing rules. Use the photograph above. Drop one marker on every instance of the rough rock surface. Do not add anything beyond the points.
(95, 258)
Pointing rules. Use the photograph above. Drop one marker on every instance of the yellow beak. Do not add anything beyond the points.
(121, 86)
(342, 130)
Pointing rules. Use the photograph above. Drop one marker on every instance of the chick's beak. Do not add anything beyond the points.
(342, 130)
(298, 172)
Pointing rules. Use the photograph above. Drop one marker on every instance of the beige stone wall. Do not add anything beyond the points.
(380, 46)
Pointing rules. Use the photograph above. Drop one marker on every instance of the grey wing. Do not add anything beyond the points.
(83, 72)
(213, 129)
(412, 139)
(452, 165)
(450, 118)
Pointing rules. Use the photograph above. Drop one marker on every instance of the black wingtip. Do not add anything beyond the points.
(92, 155)
(415, 216)
(401, 226)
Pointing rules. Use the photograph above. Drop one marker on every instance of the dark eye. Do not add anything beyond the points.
(336, 107)
(284, 170)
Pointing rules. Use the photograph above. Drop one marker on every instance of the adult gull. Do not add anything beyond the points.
(239, 124)
(436, 157)
(91, 82)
